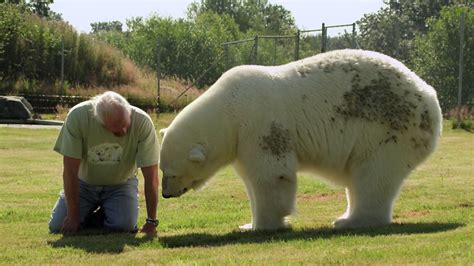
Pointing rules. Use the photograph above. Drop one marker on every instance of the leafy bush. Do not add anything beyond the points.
(187, 49)
(30, 49)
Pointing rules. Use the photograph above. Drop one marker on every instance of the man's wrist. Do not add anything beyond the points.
(73, 214)
(152, 221)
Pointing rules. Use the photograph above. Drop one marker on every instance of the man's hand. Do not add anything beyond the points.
(149, 230)
(150, 174)
(70, 225)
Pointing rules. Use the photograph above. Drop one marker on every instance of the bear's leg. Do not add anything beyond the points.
(274, 200)
(371, 195)
(251, 195)
(349, 206)
(272, 192)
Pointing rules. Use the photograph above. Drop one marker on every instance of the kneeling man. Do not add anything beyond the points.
(104, 141)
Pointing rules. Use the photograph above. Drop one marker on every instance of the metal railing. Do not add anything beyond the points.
(254, 51)
(297, 40)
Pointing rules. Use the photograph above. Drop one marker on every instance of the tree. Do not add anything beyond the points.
(38, 7)
(106, 26)
(188, 49)
(436, 55)
(220, 7)
(393, 28)
(256, 15)
(278, 20)
(41, 7)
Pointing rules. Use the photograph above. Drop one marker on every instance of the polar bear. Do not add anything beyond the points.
(105, 153)
(359, 119)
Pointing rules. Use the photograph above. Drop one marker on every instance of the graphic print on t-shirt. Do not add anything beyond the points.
(106, 153)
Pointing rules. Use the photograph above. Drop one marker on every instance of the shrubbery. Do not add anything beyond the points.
(30, 53)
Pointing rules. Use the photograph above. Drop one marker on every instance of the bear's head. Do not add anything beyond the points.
(184, 163)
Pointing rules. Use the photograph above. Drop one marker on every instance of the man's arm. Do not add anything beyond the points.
(71, 190)
(150, 175)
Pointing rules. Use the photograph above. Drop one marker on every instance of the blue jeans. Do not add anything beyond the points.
(119, 204)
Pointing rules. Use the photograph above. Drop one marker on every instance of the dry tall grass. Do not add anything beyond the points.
(145, 90)
(462, 117)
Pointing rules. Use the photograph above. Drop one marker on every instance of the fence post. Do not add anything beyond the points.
(297, 45)
(158, 76)
(226, 55)
(461, 59)
(354, 35)
(461, 68)
(274, 51)
(323, 38)
(255, 52)
(62, 63)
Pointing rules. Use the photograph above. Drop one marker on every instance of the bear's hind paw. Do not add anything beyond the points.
(348, 223)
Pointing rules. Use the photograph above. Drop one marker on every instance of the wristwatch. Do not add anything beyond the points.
(154, 222)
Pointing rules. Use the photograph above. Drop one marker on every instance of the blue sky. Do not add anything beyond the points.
(308, 14)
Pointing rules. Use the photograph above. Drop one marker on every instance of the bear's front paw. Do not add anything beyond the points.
(343, 224)
(246, 227)
(266, 227)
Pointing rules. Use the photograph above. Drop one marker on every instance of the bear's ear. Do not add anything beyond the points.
(197, 154)
(163, 132)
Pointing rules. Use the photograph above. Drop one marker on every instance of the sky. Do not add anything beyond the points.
(308, 14)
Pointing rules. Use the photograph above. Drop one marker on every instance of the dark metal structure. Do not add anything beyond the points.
(17, 110)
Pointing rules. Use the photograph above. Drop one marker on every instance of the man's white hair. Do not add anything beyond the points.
(107, 103)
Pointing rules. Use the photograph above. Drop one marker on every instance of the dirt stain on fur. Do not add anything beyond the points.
(426, 121)
(278, 141)
(377, 102)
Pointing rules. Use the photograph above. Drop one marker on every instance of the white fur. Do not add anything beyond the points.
(197, 154)
(360, 119)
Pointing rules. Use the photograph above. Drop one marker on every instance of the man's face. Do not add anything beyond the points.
(118, 122)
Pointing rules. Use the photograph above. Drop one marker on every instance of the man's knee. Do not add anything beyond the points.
(54, 227)
(57, 214)
(122, 224)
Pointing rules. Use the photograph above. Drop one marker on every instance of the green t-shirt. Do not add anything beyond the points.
(105, 158)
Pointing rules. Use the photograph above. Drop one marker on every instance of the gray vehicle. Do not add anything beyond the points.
(17, 110)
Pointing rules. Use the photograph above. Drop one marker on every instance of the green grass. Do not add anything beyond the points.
(433, 217)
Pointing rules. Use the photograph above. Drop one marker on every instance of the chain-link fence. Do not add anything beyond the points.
(281, 49)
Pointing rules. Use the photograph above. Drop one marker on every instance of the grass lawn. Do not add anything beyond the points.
(433, 217)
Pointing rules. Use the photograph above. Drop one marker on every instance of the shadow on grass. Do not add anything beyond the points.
(239, 237)
(98, 242)
(116, 242)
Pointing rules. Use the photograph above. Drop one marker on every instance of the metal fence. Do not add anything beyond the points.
(280, 49)
(274, 50)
